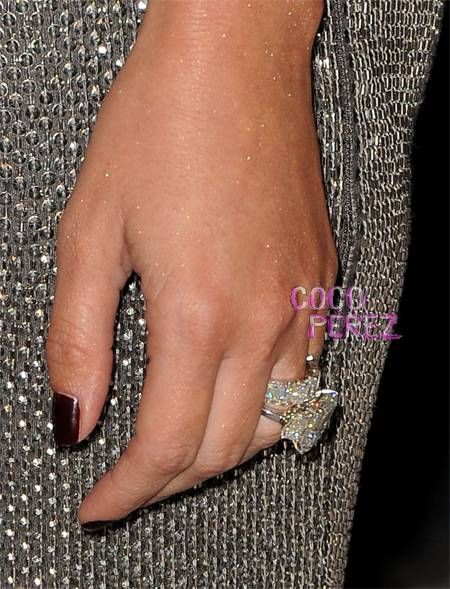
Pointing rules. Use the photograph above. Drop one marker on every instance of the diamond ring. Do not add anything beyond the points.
(301, 407)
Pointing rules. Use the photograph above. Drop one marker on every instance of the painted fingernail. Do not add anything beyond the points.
(66, 419)
(96, 526)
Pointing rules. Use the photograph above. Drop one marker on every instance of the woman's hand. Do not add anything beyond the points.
(203, 176)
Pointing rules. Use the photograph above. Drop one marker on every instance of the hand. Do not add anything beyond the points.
(203, 176)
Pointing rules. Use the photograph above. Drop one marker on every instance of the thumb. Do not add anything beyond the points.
(79, 341)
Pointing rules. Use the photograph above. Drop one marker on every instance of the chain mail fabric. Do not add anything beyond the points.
(282, 520)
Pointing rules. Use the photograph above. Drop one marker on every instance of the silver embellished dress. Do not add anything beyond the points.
(282, 520)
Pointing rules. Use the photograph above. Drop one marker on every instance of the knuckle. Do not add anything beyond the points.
(66, 345)
(169, 457)
(260, 332)
(217, 460)
(272, 316)
(201, 318)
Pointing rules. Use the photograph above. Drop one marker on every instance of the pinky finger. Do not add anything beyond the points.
(317, 327)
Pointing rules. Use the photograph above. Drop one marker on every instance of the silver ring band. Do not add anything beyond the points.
(267, 412)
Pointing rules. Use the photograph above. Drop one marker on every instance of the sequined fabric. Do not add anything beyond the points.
(283, 520)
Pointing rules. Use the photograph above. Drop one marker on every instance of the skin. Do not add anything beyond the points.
(203, 176)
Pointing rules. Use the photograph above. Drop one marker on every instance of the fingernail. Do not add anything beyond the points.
(96, 525)
(66, 419)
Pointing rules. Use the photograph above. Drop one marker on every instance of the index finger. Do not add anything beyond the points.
(171, 422)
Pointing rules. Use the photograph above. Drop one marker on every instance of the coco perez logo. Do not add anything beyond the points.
(338, 325)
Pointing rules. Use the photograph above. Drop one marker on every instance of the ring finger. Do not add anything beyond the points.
(236, 430)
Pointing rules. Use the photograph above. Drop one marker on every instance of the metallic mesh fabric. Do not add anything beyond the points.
(282, 520)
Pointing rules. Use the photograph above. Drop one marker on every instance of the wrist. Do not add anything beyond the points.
(230, 31)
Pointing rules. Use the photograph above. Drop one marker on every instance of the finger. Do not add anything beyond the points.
(172, 418)
(316, 331)
(78, 351)
(290, 365)
(305, 337)
(235, 413)
(235, 426)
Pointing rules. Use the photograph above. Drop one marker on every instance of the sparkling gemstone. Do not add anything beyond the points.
(307, 422)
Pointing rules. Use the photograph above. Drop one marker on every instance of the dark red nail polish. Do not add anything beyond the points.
(66, 419)
(95, 526)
